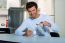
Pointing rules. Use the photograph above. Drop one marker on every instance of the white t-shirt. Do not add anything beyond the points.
(31, 24)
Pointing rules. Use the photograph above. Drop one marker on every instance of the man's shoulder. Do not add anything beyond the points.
(27, 20)
(44, 15)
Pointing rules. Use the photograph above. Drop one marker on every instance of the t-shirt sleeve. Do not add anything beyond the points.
(54, 26)
(21, 28)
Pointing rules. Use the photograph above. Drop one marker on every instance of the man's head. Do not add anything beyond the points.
(32, 7)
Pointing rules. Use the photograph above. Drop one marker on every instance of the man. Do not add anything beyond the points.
(29, 27)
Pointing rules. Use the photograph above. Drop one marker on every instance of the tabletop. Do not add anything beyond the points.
(36, 39)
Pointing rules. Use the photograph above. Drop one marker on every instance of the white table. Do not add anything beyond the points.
(39, 39)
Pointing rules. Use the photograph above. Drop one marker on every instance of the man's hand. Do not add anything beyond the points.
(45, 23)
(28, 33)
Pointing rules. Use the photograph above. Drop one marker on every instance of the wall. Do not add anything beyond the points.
(13, 3)
(60, 15)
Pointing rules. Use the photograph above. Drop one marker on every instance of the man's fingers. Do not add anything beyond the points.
(46, 23)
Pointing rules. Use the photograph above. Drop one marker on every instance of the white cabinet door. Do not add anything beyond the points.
(2, 22)
(3, 12)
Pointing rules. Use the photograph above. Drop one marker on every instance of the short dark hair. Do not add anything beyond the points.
(31, 4)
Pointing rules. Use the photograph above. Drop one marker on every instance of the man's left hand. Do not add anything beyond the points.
(45, 23)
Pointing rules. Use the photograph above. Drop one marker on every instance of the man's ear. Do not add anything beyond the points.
(38, 9)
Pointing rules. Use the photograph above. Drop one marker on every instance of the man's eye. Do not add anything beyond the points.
(29, 11)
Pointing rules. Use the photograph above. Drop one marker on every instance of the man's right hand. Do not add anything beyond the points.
(28, 33)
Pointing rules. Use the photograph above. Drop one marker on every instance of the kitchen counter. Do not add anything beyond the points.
(36, 39)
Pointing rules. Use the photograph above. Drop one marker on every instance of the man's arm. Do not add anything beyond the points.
(23, 30)
(20, 29)
(49, 23)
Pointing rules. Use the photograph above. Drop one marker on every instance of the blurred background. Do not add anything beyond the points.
(13, 12)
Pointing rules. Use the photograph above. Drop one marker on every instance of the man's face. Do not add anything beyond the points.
(32, 12)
